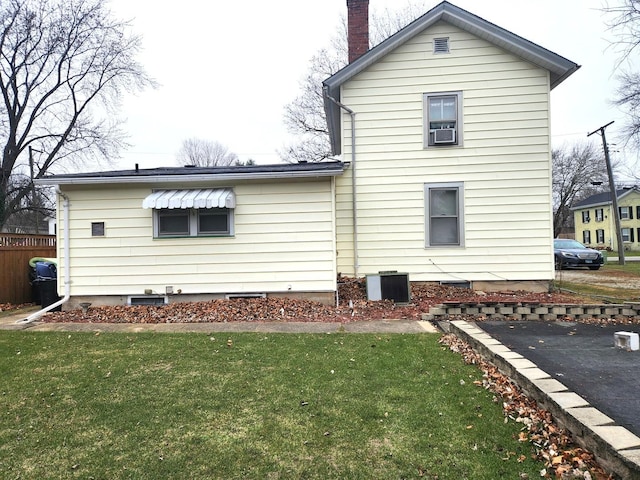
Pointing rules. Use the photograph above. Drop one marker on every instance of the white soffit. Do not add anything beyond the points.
(198, 198)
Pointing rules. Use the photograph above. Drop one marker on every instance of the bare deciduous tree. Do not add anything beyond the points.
(578, 171)
(625, 24)
(64, 65)
(205, 153)
(304, 117)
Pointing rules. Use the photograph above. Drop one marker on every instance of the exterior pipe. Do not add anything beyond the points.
(356, 260)
(67, 274)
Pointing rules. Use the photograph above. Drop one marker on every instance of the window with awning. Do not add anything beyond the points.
(197, 198)
(192, 213)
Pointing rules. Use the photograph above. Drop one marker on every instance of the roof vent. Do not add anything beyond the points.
(441, 45)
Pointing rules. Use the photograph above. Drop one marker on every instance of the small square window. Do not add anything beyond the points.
(97, 229)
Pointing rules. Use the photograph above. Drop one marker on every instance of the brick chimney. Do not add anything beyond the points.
(357, 28)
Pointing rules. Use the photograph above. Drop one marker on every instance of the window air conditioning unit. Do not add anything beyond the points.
(389, 286)
(444, 135)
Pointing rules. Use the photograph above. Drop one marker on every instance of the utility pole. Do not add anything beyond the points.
(612, 190)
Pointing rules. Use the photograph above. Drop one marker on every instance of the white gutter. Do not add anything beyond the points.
(189, 178)
(67, 274)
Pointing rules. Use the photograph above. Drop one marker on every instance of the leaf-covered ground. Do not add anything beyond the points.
(353, 306)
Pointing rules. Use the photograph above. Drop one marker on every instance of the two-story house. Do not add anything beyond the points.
(445, 175)
(595, 224)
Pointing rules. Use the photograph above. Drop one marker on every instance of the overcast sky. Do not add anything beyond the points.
(226, 69)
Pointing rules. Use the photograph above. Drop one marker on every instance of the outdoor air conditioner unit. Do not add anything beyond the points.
(389, 286)
(444, 135)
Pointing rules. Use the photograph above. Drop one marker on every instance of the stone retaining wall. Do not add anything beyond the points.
(532, 311)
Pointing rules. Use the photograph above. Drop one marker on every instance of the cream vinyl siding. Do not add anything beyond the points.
(504, 164)
(284, 241)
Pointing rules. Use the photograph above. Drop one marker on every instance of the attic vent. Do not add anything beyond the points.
(441, 45)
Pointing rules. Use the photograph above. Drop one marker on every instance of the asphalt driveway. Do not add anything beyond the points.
(584, 359)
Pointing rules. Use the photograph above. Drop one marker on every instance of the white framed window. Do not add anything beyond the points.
(627, 234)
(192, 222)
(626, 213)
(599, 214)
(442, 119)
(585, 216)
(586, 236)
(600, 235)
(444, 214)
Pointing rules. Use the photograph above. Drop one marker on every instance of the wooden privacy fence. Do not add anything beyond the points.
(15, 252)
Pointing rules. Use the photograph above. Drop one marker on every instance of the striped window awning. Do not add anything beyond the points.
(198, 198)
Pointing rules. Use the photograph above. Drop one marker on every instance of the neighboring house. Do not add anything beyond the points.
(449, 181)
(595, 225)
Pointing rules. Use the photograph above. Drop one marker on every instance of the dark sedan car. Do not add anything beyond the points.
(570, 253)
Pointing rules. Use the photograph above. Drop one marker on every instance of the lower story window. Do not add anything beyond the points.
(193, 222)
(600, 235)
(586, 236)
(444, 207)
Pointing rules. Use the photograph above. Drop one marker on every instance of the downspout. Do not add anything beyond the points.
(356, 260)
(67, 274)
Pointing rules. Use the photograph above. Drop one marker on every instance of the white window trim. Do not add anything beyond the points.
(461, 233)
(459, 123)
(628, 235)
(600, 235)
(193, 224)
(586, 236)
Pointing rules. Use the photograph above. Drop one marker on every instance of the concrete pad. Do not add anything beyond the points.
(428, 327)
(589, 416)
(550, 385)
(618, 437)
(568, 400)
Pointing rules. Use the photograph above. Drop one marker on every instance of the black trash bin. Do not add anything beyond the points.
(49, 292)
(44, 283)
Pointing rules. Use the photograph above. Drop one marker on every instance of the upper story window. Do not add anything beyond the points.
(443, 119)
(599, 214)
(626, 213)
(585, 216)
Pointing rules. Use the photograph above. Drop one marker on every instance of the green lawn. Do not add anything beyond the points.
(271, 406)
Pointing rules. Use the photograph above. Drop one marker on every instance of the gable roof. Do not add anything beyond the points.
(198, 174)
(602, 198)
(559, 67)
